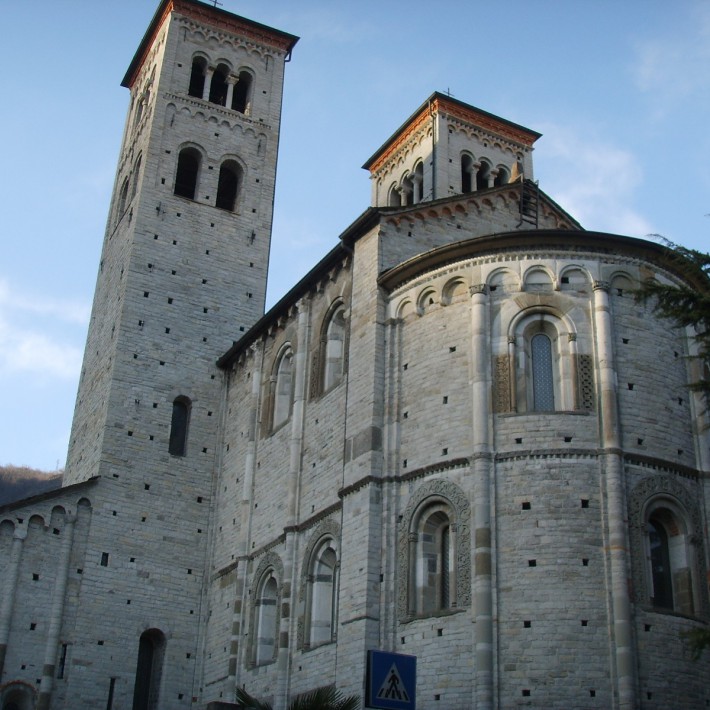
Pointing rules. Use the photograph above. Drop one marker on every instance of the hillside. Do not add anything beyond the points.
(18, 482)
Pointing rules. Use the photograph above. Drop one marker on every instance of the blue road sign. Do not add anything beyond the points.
(391, 681)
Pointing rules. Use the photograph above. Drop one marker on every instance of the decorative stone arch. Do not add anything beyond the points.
(404, 308)
(426, 300)
(393, 196)
(545, 377)
(622, 283)
(502, 176)
(198, 67)
(455, 289)
(504, 280)
(652, 494)
(231, 177)
(574, 277)
(484, 174)
(538, 278)
(243, 92)
(269, 568)
(434, 493)
(324, 531)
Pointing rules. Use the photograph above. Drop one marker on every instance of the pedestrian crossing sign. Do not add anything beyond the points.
(391, 681)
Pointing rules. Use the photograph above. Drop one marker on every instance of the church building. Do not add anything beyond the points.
(458, 438)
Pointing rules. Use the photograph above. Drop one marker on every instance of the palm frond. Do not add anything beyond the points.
(249, 702)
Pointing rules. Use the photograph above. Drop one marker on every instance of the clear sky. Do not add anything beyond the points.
(619, 89)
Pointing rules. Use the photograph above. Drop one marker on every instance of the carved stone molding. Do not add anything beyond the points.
(460, 521)
(665, 486)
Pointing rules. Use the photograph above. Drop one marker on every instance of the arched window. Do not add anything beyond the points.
(197, 77)
(136, 175)
(151, 651)
(407, 191)
(543, 383)
(188, 170)
(670, 558)
(483, 175)
(431, 553)
(334, 349)
(241, 98)
(123, 198)
(218, 86)
(179, 426)
(393, 198)
(283, 388)
(502, 177)
(266, 619)
(467, 173)
(418, 182)
(321, 594)
(228, 185)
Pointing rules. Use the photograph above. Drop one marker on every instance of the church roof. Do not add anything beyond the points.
(209, 15)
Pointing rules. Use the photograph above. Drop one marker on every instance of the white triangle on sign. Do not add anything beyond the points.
(392, 687)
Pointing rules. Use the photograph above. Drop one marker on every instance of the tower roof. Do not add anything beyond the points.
(208, 15)
(441, 103)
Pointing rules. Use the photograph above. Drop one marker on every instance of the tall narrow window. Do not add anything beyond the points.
(197, 77)
(334, 355)
(322, 588)
(502, 177)
(662, 580)
(123, 198)
(266, 619)
(241, 98)
(218, 87)
(418, 183)
(179, 426)
(283, 389)
(431, 559)
(543, 382)
(188, 169)
(151, 650)
(136, 175)
(228, 185)
(466, 173)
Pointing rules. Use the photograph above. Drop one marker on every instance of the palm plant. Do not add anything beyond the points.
(327, 698)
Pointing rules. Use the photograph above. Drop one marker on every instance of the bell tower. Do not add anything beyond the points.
(186, 248)
(183, 271)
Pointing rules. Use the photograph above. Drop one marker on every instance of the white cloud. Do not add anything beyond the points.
(36, 334)
(67, 311)
(593, 180)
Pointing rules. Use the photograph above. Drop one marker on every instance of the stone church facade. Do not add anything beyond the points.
(458, 437)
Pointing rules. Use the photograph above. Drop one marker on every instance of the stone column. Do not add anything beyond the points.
(289, 582)
(481, 465)
(9, 589)
(208, 83)
(231, 81)
(240, 587)
(56, 613)
(612, 463)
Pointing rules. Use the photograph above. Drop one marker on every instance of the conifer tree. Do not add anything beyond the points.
(687, 305)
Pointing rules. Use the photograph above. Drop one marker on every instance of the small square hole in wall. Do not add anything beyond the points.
(519, 440)
(647, 627)
(639, 441)
(649, 696)
(630, 385)
(525, 505)
(146, 486)
(625, 341)
(404, 463)
(452, 349)
(33, 626)
(440, 632)
(568, 439)
(437, 697)
(405, 415)
(585, 622)
(446, 400)
(585, 562)
(592, 693)
(526, 693)
(99, 643)
(444, 452)
(143, 519)
(584, 503)
(104, 559)
(130, 433)
(35, 576)
(680, 452)
(405, 366)
(402, 640)
(527, 624)
(532, 563)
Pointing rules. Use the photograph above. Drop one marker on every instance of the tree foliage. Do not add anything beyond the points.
(327, 698)
(688, 303)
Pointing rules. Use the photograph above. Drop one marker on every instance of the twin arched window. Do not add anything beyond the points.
(481, 175)
(188, 173)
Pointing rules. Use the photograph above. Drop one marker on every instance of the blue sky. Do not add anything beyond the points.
(619, 90)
